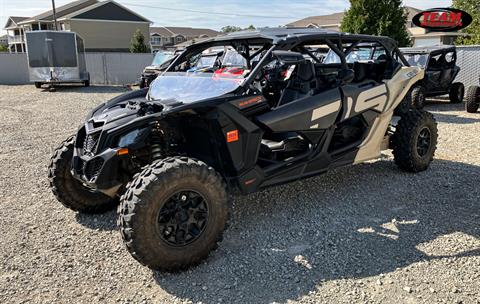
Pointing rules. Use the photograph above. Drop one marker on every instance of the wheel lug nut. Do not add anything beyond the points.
(184, 198)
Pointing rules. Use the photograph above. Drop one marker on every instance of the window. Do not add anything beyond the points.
(156, 40)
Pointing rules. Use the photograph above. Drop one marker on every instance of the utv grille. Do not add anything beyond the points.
(90, 143)
(92, 168)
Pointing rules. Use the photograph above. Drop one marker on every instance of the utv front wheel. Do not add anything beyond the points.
(173, 213)
(472, 100)
(457, 92)
(69, 191)
(38, 85)
(415, 141)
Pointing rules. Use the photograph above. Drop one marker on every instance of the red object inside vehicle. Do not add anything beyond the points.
(229, 72)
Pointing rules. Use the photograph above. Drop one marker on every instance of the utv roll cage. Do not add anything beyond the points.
(290, 39)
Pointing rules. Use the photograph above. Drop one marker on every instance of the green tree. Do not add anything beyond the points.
(138, 44)
(377, 17)
(473, 30)
(231, 28)
(3, 48)
(251, 27)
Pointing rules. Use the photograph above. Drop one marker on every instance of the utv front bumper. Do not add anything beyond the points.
(98, 172)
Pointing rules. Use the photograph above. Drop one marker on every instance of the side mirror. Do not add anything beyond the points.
(289, 58)
(346, 76)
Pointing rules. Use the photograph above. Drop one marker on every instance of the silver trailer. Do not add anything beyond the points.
(56, 57)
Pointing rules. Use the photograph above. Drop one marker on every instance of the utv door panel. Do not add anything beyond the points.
(245, 147)
(314, 112)
(364, 96)
(433, 80)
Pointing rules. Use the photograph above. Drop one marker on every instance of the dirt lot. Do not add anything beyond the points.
(363, 234)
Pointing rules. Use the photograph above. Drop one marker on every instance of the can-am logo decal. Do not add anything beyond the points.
(442, 19)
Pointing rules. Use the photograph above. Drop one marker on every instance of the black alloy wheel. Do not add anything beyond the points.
(183, 218)
(424, 141)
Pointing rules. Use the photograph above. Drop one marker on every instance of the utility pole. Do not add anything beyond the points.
(54, 15)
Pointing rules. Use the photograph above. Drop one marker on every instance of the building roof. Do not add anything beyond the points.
(14, 20)
(62, 10)
(106, 10)
(18, 19)
(171, 31)
(336, 19)
(332, 19)
(89, 9)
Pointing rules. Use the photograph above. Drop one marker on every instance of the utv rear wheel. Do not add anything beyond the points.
(173, 213)
(457, 92)
(415, 141)
(417, 97)
(69, 191)
(472, 99)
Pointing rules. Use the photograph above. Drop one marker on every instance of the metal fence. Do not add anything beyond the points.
(104, 68)
(469, 63)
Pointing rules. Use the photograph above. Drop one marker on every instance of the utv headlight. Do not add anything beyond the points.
(134, 137)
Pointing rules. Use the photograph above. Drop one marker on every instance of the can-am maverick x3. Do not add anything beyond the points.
(174, 153)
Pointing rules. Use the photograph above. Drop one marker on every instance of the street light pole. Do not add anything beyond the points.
(54, 15)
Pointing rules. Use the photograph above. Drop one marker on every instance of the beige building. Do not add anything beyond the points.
(419, 36)
(168, 36)
(105, 26)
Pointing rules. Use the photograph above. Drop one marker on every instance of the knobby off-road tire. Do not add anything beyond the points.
(404, 106)
(154, 198)
(69, 191)
(38, 85)
(415, 141)
(472, 99)
(457, 92)
(417, 97)
(414, 99)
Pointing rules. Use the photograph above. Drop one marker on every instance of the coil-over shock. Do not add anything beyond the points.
(157, 142)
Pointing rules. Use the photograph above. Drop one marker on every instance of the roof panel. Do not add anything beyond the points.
(64, 10)
(289, 35)
(109, 11)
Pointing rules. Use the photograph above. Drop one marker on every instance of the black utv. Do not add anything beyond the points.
(172, 155)
(441, 70)
(160, 62)
(472, 98)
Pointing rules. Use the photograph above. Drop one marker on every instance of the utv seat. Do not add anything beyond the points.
(361, 71)
(300, 85)
(372, 71)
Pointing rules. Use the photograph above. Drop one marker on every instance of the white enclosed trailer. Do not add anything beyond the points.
(56, 57)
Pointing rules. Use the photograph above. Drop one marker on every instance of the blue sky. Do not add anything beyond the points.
(285, 10)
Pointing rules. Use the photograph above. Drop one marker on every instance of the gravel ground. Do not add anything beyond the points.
(363, 234)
